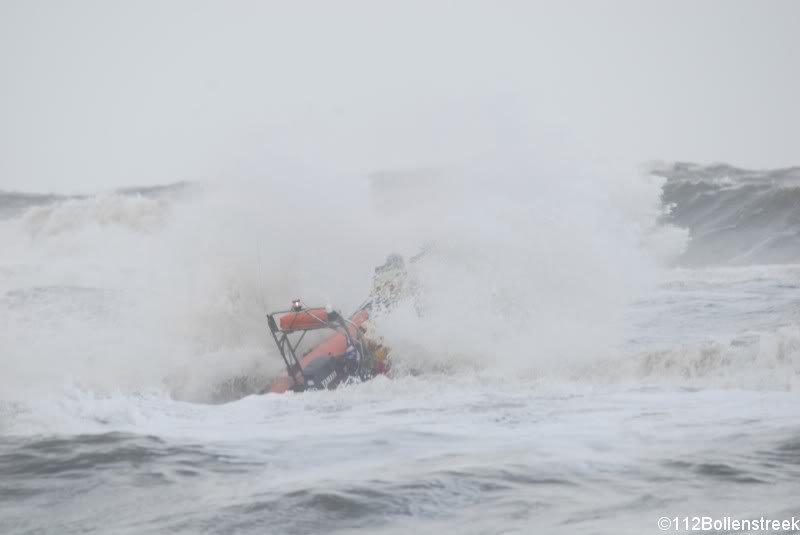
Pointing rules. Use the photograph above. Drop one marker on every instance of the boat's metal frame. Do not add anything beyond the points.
(288, 340)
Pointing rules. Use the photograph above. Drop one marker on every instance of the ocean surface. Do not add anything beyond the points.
(134, 352)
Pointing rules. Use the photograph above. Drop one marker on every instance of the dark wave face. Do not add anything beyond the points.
(735, 216)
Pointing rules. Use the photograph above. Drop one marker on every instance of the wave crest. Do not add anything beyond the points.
(134, 213)
(735, 216)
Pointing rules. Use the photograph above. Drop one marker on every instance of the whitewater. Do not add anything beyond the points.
(597, 349)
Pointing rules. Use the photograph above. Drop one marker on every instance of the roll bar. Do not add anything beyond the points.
(288, 347)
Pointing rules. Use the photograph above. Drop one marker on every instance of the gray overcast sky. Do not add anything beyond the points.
(99, 94)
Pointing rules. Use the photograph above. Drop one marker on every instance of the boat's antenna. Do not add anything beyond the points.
(261, 293)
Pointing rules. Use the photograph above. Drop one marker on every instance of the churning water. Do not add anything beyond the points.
(591, 357)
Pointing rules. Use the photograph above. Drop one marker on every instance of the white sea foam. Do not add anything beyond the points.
(119, 291)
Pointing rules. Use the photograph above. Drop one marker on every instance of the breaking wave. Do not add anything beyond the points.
(736, 216)
(14, 204)
(532, 276)
(767, 360)
(167, 287)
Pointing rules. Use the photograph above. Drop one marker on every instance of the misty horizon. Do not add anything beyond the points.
(97, 96)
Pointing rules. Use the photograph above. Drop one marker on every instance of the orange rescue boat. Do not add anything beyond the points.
(348, 354)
